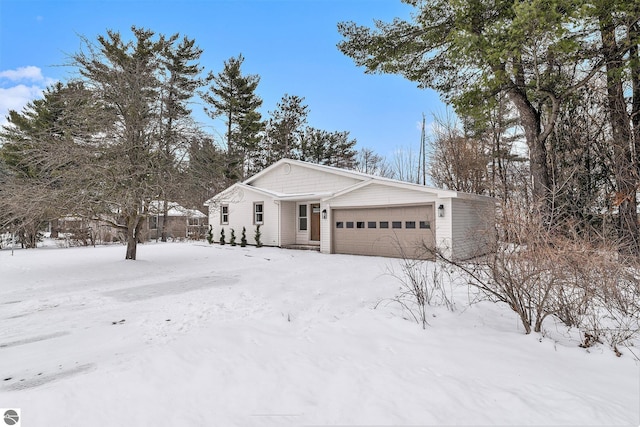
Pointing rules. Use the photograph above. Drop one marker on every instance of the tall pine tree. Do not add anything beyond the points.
(232, 96)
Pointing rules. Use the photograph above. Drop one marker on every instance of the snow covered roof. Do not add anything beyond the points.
(174, 209)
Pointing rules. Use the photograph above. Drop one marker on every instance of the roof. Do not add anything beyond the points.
(174, 209)
(365, 180)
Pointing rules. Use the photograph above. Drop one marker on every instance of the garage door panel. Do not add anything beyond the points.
(390, 242)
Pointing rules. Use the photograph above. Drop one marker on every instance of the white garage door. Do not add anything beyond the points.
(390, 231)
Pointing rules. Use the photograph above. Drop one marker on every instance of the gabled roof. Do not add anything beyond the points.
(323, 168)
(366, 179)
(363, 178)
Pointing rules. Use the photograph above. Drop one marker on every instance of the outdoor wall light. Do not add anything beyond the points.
(441, 211)
(324, 214)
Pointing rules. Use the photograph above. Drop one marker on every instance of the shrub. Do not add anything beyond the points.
(210, 235)
(222, 242)
(243, 238)
(232, 240)
(257, 237)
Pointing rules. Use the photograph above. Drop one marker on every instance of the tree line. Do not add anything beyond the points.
(547, 102)
(121, 134)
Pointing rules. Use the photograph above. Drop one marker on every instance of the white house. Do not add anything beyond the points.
(341, 211)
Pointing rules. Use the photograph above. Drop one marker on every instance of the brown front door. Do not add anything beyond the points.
(315, 222)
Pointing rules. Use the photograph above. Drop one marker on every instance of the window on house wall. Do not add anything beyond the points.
(258, 213)
(339, 224)
(302, 217)
(396, 224)
(360, 224)
(224, 214)
(371, 224)
(153, 222)
(384, 224)
(410, 224)
(194, 221)
(425, 224)
(349, 224)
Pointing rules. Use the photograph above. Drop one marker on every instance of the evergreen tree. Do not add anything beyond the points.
(471, 51)
(222, 242)
(47, 156)
(328, 148)
(257, 236)
(243, 238)
(285, 130)
(210, 235)
(232, 96)
(232, 240)
(180, 78)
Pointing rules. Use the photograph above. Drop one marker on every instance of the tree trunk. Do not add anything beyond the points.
(634, 56)
(539, 171)
(165, 217)
(624, 168)
(133, 233)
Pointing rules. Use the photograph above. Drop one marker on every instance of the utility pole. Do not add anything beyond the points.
(422, 157)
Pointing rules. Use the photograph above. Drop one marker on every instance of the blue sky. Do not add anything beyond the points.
(291, 44)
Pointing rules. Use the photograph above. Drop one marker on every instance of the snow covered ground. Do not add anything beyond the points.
(199, 335)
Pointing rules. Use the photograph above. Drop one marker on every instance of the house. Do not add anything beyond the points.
(341, 211)
(181, 222)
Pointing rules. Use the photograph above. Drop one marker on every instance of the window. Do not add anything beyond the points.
(302, 217)
(396, 224)
(224, 214)
(360, 224)
(425, 224)
(384, 224)
(349, 224)
(339, 224)
(194, 221)
(410, 224)
(371, 224)
(258, 213)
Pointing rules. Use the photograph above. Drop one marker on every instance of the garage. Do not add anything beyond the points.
(384, 231)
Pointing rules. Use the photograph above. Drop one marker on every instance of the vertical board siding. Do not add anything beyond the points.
(472, 227)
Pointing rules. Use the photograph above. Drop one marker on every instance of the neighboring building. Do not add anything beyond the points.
(182, 223)
(341, 211)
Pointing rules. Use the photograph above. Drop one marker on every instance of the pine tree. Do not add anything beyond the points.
(232, 96)
(285, 130)
(180, 78)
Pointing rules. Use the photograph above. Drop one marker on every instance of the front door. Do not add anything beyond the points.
(315, 222)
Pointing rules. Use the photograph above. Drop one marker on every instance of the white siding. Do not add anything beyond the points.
(381, 195)
(325, 229)
(472, 225)
(241, 215)
(444, 227)
(294, 179)
(302, 237)
(288, 223)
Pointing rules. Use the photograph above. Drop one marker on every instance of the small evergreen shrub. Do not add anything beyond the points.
(210, 235)
(222, 242)
(257, 237)
(243, 238)
(232, 240)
